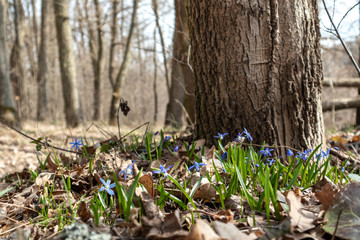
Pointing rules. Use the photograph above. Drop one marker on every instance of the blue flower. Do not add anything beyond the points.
(224, 156)
(247, 135)
(302, 155)
(199, 148)
(197, 166)
(176, 148)
(257, 165)
(156, 133)
(76, 144)
(336, 148)
(221, 136)
(239, 138)
(167, 138)
(323, 154)
(128, 170)
(342, 169)
(271, 162)
(107, 186)
(163, 170)
(289, 153)
(266, 152)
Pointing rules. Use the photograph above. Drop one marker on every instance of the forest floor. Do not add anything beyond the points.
(202, 203)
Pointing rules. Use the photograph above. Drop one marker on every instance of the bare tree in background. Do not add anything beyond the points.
(7, 105)
(113, 34)
(42, 64)
(67, 63)
(96, 43)
(17, 56)
(258, 66)
(182, 78)
(123, 68)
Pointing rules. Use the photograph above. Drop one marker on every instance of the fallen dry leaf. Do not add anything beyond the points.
(202, 230)
(300, 219)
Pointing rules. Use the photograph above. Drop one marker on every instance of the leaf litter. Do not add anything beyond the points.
(71, 181)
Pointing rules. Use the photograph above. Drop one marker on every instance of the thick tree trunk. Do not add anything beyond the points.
(258, 66)
(67, 63)
(182, 79)
(42, 64)
(123, 68)
(7, 105)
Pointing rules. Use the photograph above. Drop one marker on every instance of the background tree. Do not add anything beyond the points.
(42, 64)
(182, 78)
(7, 105)
(17, 56)
(67, 63)
(258, 66)
(123, 68)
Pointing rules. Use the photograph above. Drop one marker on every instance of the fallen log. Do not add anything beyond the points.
(341, 82)
(339, 104)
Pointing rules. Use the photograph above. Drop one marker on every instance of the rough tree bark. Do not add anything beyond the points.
(7, 105)
(258, 66)
(123, 68)
(67, 63)
(182, 78)
(42, 64)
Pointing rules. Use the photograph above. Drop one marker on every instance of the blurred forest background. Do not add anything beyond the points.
(152, 64)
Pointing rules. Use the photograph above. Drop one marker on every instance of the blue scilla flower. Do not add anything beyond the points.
(163, 170)
(76, 144)
(239, 138)
(197, 166)
(176, 148)
(167, 138)
(257, 165)
(224, 156)
(221, 136)
(107, 186)
(323, 154)
(266, 152)
(247, 135)
(289, 153)
(128, 170)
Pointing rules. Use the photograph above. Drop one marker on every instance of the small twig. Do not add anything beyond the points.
(135, 129)
(45, 144)
(341, 40)
(118, 120)
(337, 224)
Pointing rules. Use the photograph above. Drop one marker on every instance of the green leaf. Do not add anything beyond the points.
(3, 192)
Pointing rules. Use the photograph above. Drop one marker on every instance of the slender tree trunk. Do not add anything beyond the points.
(163, 48)
(35, 26)
(155, 78)
(113, 40)
(258, 66)
(123, 68)
(42, 64)
(17, 58)
(67, 63)
(7, 105)
(182, 78)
